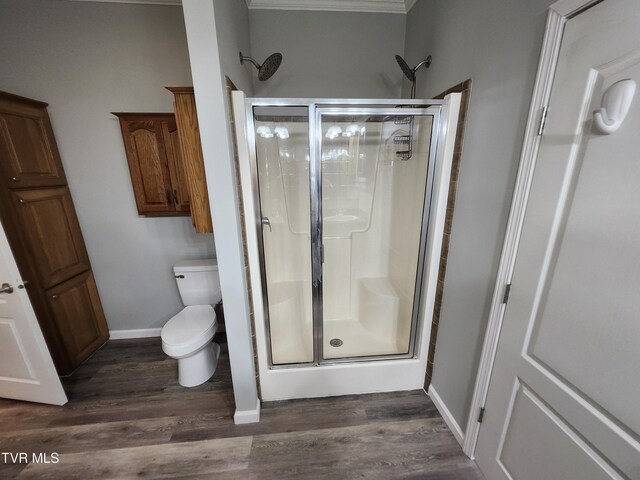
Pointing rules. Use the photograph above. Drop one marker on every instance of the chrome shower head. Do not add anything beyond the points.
(268, 67)
(408, 71)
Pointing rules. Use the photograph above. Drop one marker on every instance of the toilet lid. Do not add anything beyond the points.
(190, 325)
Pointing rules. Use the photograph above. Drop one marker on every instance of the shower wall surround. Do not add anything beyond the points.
(344, 203)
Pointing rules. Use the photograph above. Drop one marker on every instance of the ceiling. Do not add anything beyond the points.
(380, 6)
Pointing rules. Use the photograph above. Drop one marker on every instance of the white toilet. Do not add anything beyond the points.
(187, 336)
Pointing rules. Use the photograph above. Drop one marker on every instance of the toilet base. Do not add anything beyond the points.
(199, 367)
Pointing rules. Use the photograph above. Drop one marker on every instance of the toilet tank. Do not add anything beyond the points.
(198, 281)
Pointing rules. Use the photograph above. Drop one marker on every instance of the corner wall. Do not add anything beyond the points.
(496, 43)
(87, 59)
(207, 63)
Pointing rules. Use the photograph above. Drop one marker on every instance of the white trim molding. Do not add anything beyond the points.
(558, 14)
(372, 6)
(143, 2)
(139, 333)
(242, 417)
(446, 414)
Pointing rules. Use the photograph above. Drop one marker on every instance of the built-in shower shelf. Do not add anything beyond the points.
(344, 222)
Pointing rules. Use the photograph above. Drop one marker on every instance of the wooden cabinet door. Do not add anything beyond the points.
(176, 165)
(77, 312)
(49, 229)
(148, 165)
(28, 153)
(187, 120)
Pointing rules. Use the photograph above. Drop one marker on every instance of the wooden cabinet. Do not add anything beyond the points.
(78, 298)
(181, 197)
(155, 161)
(38, 215)
(189, 132)
(51, 233)
(28, 153)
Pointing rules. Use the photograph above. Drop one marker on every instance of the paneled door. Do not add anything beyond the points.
(148, 163)
(31, 157)
(26, 369)
(564, 397)
(51, 233)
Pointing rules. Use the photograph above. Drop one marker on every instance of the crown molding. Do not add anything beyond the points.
(372, 6)
(143, 2)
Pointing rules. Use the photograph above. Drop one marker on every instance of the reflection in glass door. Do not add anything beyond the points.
(374, 172)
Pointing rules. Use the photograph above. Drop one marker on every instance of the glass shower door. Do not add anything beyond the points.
(376, 170)
(282, 157)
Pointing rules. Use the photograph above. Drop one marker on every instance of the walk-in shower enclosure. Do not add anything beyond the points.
(344, 203)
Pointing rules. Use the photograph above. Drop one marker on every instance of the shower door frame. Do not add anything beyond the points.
(316, 108)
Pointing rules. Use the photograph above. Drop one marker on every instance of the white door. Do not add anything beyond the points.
(564, 397)
(26, 369)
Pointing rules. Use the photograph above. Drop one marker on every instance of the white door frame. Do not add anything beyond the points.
(558, 15)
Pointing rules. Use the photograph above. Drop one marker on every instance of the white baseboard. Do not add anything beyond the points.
(446, 415)
(247, 416)
(139, 333)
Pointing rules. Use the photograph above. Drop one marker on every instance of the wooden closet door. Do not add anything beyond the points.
(77, 311)
(40, 221)
(176, 166)
(148, 165)
(51, 232)
(28, 153)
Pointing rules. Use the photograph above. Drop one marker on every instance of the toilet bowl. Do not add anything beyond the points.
(188, 335)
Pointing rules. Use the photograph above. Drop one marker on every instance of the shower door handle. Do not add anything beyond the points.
(266, 221)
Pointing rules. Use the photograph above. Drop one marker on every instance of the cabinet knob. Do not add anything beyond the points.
(175, 196)
(21, 200)
(15, 179)
(54, 296)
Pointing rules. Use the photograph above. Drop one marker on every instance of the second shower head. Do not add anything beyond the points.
(409, 72)
(268, 67)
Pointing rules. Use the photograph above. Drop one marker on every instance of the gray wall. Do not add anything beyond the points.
(232, 32)
(496, 43)
(328, 54)
(86, 60)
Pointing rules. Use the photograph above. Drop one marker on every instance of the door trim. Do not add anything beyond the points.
(558, 14)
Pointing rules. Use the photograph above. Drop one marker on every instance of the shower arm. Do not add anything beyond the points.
(415, 69)
(427, 61)
(249, 59)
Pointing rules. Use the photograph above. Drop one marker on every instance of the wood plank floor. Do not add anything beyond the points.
(127, 417)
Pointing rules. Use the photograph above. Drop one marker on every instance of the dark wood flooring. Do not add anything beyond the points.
(127, 417)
